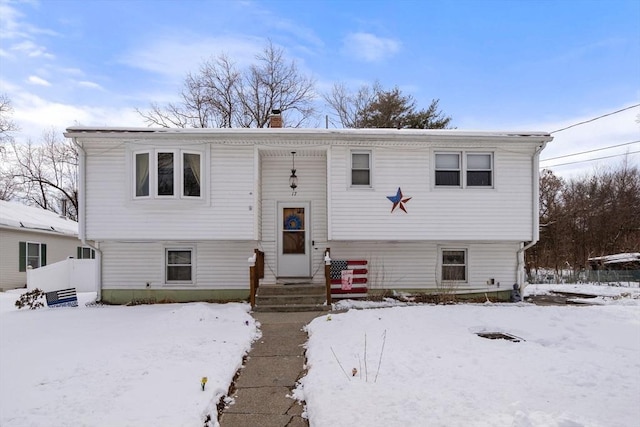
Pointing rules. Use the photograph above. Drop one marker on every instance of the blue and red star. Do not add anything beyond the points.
(398, 201)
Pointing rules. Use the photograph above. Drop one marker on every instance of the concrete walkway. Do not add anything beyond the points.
(273, 366)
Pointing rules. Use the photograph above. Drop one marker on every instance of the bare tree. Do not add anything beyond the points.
(46, 174)
(586, 217)
(7, 125)
(220, 95)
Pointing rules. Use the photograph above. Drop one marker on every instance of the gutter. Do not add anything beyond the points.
(535, 231)
(82, 220)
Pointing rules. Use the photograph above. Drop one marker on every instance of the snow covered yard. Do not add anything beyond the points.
(422, 365)
(118, 366)
(425, 366)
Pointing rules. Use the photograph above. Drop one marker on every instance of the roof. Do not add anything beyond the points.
(315, 133)
(22, 217)
(618, 258)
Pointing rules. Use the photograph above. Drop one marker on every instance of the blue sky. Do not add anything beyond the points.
(494, 65)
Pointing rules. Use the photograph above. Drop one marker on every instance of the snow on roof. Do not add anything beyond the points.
(618, 258)
(76, 131)
(19, 216)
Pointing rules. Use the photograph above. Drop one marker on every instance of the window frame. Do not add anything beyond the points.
(441, 255)
(182, 173)
(369, 153)
(178, 174)
(459, 169)
(464, 169)
(23, 255)
(467, 169)
(192, 251)
(80, 252)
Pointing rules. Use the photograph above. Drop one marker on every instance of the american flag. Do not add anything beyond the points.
(359, 284)
(62, 298)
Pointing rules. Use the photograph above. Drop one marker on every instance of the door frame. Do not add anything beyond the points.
(303, 260)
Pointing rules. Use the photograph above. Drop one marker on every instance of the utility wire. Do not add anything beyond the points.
(595, 118)
(590, 151)
(589, 160)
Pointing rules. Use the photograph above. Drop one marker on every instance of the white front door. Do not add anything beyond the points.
(294, 246)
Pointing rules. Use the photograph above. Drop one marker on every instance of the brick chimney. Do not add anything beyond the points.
(275, 119)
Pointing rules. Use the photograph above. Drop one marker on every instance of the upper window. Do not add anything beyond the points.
(361, 168)
(464, 169)
(448, 169)
(32, 255)
(179, 266)
(171, 173)
(479, 170)
(454, 265)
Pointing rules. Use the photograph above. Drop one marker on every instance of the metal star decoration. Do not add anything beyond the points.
(398, 201)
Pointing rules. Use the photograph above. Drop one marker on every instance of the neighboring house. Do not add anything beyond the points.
(33, 237)
(175, 213)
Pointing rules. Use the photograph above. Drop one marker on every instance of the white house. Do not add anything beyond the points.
(175, 213)
(33, 237)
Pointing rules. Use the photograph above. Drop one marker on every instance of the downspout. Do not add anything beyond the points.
(81, 217)
(535, 231)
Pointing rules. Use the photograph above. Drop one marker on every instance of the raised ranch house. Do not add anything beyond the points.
(32, 237)
(176, 213)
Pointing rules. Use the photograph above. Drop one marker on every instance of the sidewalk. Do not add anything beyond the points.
(273, 366)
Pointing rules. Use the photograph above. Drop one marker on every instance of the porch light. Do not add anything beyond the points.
(293, 179)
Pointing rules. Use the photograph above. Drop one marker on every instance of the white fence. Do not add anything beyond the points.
(70, 273)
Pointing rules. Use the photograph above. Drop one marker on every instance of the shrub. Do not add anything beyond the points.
(31, 299)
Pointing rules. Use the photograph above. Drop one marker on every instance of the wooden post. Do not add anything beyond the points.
(327, 274)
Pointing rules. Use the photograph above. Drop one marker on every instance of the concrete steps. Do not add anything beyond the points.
(290, 298)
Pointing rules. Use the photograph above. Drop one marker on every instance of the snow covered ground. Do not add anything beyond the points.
(118, 366)
(424, 365)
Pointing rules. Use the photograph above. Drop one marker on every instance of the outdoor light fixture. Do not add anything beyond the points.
(293, 179)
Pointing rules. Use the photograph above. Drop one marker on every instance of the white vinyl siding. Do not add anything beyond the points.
(59, 247)
(224, 211)
(216, 265)
(312, 172)
(417, 265)
(502, 211)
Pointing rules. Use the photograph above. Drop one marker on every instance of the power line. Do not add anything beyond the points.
(590, 151)
(595, 118)
(590, 160)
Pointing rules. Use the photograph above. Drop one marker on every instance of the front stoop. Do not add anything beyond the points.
(287, 298)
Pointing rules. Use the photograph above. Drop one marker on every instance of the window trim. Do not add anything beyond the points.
(168, 249)
(178, 174)
(463, 153)
(441, 263)
(459, 169)
(80, 252)
(182, 180)
(467, 170)
(156, 189)
(23, 254)
(369, 153)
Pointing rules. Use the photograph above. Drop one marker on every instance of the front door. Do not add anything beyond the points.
(294, 248)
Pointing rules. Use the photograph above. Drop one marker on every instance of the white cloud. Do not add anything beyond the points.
(35, 80)
(369, 47)
(175, 56)
(90, 85)
(617, 129)
(31, 50)
(33, 114)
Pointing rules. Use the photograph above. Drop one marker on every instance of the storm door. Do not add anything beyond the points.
(294, 247)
